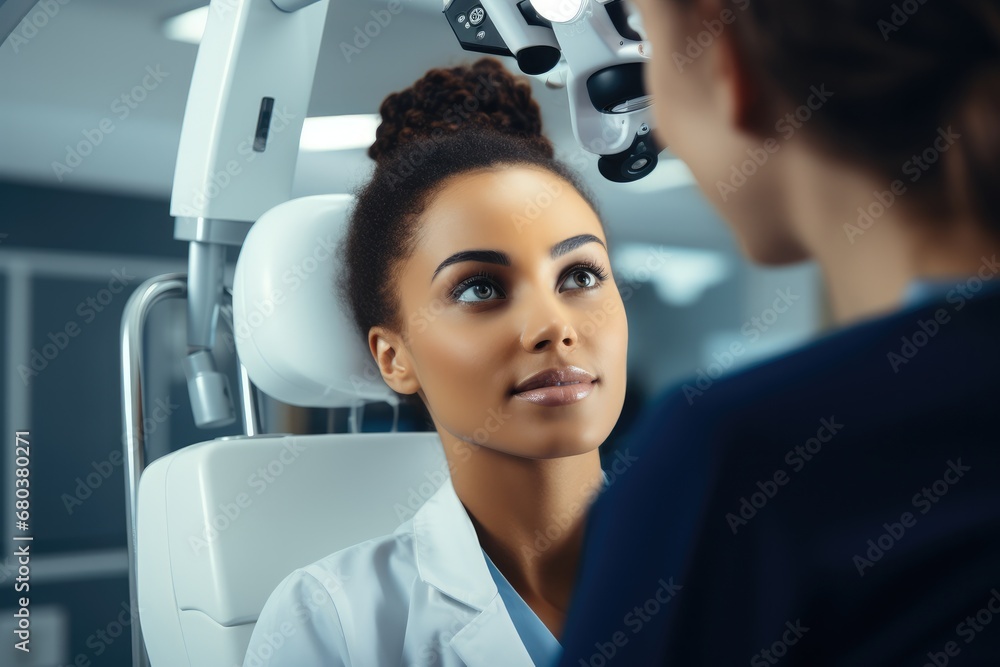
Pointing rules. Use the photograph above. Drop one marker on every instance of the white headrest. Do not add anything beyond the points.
(297, 343)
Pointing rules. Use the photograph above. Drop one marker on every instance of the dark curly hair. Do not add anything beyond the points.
(451, 121)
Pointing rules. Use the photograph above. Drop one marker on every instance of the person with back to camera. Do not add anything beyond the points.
(840, 504)
(487, 315)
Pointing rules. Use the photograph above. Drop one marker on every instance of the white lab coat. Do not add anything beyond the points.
(420, 596)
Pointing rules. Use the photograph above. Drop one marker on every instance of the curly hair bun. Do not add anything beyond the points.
(446, 100)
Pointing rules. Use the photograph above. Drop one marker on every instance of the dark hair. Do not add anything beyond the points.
(450, 122)
(898, 70)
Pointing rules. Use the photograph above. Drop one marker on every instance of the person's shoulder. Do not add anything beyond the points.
(314, 610)
(804, 367)
(717, 405)
(863, 354)
(718, 420)
(355, 569)
(300, 623)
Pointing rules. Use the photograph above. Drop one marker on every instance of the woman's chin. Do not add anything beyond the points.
(558, 450)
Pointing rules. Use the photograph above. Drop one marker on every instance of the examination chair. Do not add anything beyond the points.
(220, 523)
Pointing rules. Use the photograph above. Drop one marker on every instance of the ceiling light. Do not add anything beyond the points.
(338, 133)
(187, 27)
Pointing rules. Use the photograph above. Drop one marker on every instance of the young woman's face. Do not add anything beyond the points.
(509, 277)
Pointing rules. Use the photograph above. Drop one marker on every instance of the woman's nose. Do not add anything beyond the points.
(548, 322)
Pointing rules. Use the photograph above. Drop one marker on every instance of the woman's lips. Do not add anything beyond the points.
(554, 376)
(557, 395)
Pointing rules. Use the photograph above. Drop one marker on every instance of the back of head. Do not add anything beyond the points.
(451, 121)
(899, 74)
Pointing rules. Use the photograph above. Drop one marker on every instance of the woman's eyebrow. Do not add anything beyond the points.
(500, 257)
(574, 242)
(488, 256)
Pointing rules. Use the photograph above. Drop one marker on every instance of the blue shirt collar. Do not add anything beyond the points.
(538, 640)
(922, 291)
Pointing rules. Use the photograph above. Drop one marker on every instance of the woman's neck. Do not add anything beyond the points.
(529, 515)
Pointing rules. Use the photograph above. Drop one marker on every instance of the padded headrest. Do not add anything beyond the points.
(298, 344)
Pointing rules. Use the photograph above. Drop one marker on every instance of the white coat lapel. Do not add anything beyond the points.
(450, 559)
(489, 635)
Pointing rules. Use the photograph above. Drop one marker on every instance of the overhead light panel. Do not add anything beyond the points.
(338, 133)
(187, 27)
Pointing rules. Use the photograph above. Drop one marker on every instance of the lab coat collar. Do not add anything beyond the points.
(489, 635)
(448, 554)
(449, 558)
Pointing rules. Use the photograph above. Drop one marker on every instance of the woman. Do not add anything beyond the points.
(476, 267)
(839, 505)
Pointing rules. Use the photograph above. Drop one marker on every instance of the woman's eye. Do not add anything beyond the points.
(582, 278)
(479, 291)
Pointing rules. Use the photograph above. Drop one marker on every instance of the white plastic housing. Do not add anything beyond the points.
(250, 50)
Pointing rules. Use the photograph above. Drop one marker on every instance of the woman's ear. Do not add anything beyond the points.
(740, 91)
(393, 360)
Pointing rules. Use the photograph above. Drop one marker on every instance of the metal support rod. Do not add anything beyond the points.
(252, 423)
(140, 303)
(137, 310)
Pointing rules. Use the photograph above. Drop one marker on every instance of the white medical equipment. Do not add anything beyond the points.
(249, 96)
(220, 523)
(610, 111)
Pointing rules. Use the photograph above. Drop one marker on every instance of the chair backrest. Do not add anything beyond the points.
(220, 523)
